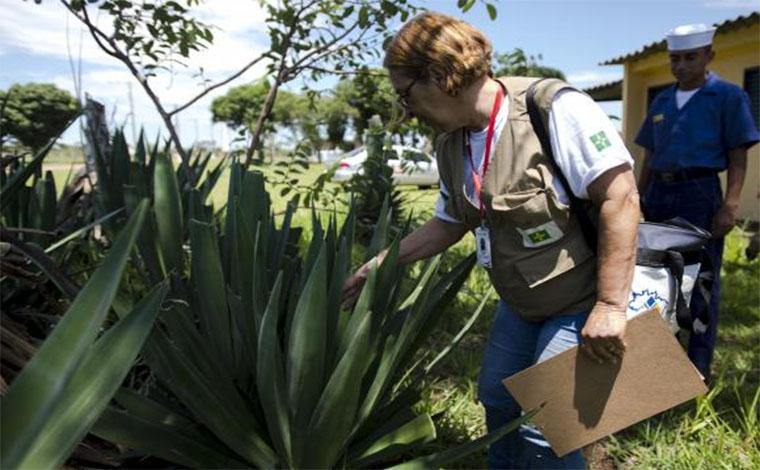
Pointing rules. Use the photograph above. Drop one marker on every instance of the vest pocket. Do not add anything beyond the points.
(551, 262)
(534, 218)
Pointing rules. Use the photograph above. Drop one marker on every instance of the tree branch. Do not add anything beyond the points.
(115, 52)
(217, 85)
(344, 72)
(322, 49)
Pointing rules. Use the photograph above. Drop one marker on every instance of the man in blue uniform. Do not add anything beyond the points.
(694, 130)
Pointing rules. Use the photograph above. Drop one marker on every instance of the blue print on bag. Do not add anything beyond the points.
(647, 300)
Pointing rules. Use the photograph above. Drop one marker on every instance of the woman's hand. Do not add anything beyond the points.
(603, 334)
(352, 286)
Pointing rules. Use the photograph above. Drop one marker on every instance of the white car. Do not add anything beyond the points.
(410, 166)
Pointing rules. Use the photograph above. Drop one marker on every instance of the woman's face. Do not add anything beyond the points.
(423, 99)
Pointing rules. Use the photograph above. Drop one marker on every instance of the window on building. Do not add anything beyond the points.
(652, 93)
(752, 87)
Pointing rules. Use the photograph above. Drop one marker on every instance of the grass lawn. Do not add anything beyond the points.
(720, 430)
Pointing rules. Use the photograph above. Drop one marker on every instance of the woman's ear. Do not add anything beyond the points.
(437, 75)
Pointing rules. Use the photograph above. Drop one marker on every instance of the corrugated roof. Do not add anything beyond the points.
(659, 46)
(611, 91)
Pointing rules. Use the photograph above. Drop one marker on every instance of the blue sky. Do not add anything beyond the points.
(572, 35)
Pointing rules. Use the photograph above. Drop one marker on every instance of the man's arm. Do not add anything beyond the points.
(430, 239)
(725, 218)
(645, 174)
(615, 194)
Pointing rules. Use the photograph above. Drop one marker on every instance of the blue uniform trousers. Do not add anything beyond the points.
(697, 201)
(516, 344)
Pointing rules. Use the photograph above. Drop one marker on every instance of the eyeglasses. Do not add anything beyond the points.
(403, 97)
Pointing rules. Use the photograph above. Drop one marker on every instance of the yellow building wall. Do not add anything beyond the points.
(735, 51)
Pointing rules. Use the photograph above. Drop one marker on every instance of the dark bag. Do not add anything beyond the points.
(671, 258)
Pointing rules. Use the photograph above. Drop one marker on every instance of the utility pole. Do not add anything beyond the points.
(132, 113)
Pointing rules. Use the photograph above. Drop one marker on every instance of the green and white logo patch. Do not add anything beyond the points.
(600, 141)
(542, 235)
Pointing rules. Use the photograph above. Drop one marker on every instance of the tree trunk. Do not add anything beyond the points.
(258, 130)
(97, 138)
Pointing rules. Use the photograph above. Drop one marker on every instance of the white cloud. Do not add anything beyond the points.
(39, 30)
(43, 31)
(111, 87)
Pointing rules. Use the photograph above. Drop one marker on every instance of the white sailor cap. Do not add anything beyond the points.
(690, 36)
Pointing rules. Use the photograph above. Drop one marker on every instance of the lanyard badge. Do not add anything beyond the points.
(483, 242)
(482, 233)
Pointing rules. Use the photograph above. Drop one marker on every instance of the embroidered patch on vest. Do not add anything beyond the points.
(600, 141)
(542, 235)
(658, 118)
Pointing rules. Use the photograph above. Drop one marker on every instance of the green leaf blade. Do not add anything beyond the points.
(93, 384)
(35, 391)
(168, 211)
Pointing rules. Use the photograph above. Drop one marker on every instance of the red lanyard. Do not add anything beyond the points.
(476, 178)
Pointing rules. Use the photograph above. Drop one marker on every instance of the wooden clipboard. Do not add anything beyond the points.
(584, 401)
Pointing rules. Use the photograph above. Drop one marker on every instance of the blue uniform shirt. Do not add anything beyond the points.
(715, 120)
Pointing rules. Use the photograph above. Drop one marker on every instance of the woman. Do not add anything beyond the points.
(497, 182)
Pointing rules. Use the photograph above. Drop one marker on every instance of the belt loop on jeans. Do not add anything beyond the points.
(684, 175)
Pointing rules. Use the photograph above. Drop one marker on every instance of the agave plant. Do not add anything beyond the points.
(34, 227)
(264, 366)
(58, 395)
(256, 362)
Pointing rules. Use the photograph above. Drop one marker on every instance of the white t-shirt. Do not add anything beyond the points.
(584, 141)
(682, 97)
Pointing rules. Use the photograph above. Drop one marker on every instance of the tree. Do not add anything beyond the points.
(516, 63)
(35, 112)
(306, 36)
(322, 37)
(310, 116)
(370, 93)
(240, 106)
(152, 36)
(337, 115)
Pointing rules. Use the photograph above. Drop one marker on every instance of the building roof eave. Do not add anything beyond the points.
(659, 46)
(611, 91)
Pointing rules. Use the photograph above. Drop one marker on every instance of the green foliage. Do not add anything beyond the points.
(156, 32)
(303, 114)
(34, 113)
(516, 63)
(370, 93)
(32, 206)
(374, 189)
(268, 369)
(466, 5)
(345, 44)
(59, 394)
(336, 113)
(241, 105)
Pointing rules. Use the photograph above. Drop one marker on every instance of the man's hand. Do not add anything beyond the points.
(723, 221)
(603, 333)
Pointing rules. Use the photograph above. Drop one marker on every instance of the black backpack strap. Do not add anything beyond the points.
(588, 227)
(704, 283)
(673, 261)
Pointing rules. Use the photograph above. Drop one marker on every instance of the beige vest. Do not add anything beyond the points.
(536, 276)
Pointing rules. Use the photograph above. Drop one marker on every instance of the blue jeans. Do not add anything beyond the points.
(515, 344)
(696, 201)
